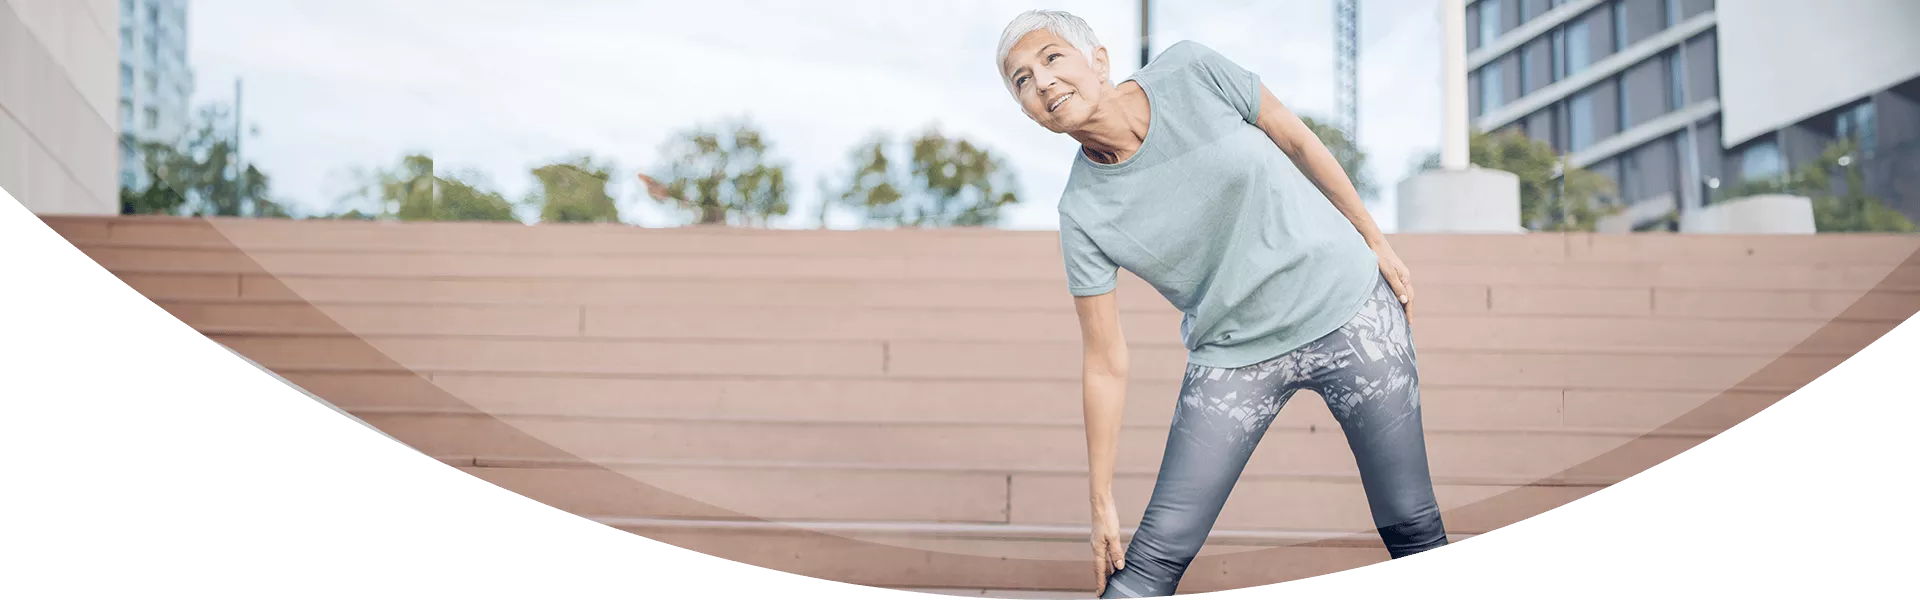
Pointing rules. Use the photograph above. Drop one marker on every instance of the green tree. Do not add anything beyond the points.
(877, 183)
(415, 193)
(574, 191)
(720, 173)
(1352, 159)
(412, 191)
(351, 214)
(946, 181)
(1838, 206)
(1546, 203)
(195, 175)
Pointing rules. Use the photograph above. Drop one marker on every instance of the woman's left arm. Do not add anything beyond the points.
(1314, 160)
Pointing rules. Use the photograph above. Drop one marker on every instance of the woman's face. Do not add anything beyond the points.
(1056, 85)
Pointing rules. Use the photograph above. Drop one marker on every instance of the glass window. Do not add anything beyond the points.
(1492, 94)
(1676, 73)
(1621, 117)
(153, 82)
(1685, 153)
(1672, 14)
(1489, 21)
(1580, 122)
(126, 114)
(153, 117)
(1526, 72)
(126, 78)
(1631, 180)
(1579, 48)
(1558, 55)
(1619, 26)
(1857, 122)
(1761, 161)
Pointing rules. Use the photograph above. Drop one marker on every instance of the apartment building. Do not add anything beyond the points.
(156, 84)
(1674, 99)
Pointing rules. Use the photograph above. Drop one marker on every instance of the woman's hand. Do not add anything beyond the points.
(1109, 554)
(1397, 274)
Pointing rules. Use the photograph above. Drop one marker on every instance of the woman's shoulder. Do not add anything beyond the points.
(1185, 53)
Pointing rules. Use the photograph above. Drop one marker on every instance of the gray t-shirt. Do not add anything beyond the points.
(1212, 214)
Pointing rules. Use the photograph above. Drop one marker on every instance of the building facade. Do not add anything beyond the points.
(1639, 91)
(57, 93)
(156, 85)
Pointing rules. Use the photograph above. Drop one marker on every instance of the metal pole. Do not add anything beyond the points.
(1453, 65)
(1146, 32)
(1689, 199)
(239, 164)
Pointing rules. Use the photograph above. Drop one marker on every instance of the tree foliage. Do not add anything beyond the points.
(722, 173)
(1546, 203)
(1353, 160)
(1839, 205)
(943, 181)
(574, 191)
(412, 191)
(195, 176)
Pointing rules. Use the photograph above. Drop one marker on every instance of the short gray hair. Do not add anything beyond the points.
(1063, 24)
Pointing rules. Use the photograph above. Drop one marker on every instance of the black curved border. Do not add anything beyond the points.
(240, 502)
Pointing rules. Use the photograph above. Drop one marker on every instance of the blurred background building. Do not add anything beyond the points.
(1675, 100)
(156, 83)
(57, 115)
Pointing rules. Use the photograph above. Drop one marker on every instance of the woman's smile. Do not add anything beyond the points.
(1058, 102)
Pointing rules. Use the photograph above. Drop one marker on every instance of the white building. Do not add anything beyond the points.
(156, 85)
(58, 120)
(1669, 98)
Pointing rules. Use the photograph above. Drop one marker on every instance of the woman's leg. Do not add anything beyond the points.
(1372, 386)
(1219, 419)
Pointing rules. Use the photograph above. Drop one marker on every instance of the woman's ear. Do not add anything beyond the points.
(1101, 66)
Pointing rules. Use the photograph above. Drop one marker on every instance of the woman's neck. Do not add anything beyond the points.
(1118, 126)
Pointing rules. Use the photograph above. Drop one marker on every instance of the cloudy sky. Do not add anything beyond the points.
(501, 86)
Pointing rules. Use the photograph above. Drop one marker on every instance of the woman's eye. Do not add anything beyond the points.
(1022, 81)
(1050, 57)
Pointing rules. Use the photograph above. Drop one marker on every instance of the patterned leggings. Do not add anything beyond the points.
(1366, 373)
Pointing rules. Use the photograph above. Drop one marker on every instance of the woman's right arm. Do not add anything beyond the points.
(1103, 381)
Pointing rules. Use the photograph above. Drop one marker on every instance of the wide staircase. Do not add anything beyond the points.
(901, 408)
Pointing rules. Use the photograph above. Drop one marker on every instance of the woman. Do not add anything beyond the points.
(1192, 176)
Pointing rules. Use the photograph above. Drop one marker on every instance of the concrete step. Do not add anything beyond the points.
(1564, 333)
(268, 234)
(885, 401)
(736, 491)
(1889, 275)
(912, 555)
(1524, 455)
(1002, 593)
(954, 360)
(997, 295)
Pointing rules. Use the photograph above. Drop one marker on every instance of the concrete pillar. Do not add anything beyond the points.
(1453, 88)
(1457, 198)
(1755, 215)
(1471, 200)
(59, 100)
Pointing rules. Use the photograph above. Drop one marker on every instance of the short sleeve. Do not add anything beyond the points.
(1238, 86)
(1089, 271)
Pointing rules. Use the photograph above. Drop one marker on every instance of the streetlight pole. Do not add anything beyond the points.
(1146, 32)
(239, 163)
